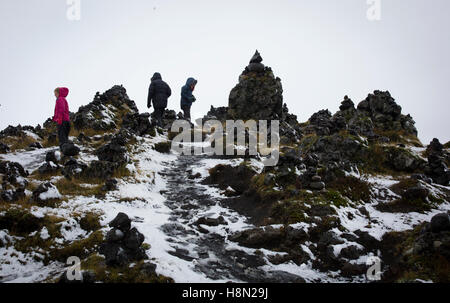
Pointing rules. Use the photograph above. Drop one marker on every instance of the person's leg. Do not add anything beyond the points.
(67, 131)
(187, 112)
(61, 134)
(158, 116)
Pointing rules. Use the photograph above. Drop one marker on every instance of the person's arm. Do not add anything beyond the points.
(187, 94)
(58, 112)
(151, 92)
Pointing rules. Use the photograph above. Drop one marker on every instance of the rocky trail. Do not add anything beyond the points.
(198, 235)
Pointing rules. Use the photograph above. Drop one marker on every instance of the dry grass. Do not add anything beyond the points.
(18, 143)
(75, 188)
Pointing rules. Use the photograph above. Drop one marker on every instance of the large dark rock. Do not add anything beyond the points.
(99, 170)
(51, 157)
(13, 173)
(123, 244)
(139, 124)
(258, 95)
(48, 168)
(121, 222)
(238, 178)
(112, 153)
(12, 196)
(4, 148)
(69, 149)
(440, 222)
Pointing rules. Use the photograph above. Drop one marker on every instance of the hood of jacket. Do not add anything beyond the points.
(191, 81)
(156, 76)
(63, 92)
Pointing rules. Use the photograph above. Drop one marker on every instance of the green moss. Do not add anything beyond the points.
(289, 212)
(430, 267)
(335, 198)
(96, 264)
(80, 248)
(353, 188)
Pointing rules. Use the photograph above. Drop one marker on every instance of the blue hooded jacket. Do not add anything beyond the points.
(187, 98)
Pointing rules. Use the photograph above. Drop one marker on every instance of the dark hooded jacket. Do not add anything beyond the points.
(187, 98)
(159, 91)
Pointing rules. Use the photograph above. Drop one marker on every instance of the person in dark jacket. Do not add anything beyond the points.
(187, 98)
(158, 92)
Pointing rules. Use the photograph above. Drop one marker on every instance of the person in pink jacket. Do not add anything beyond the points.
(61, 116)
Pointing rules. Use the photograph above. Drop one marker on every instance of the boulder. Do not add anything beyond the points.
(121, 222)
(122, 244)
(48, 168)
(112, 153)
(4, 148)
(440, 222)
(69, 149)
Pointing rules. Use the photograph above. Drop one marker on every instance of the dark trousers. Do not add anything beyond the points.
(158, 115)
(187, 112)
(63, 132)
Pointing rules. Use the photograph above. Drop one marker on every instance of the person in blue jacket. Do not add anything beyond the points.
(187, 98)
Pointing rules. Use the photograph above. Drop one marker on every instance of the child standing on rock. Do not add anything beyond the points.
(61, 116)
(187, 98)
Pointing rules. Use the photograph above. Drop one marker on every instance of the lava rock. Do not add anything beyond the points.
(69, 149)
(317, 185)
(211, 221)
(51, 157)
(123, 244)
(114, 235)
(440, 222)
(111, 153)
(347, 104)
(110, 185)
(416, 192)
(121, 222)
(133, 239)
(4, 148)
(48, 168)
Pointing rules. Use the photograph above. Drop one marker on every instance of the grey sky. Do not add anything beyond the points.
(321, 49)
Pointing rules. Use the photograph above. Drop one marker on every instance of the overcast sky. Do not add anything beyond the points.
(321, 49)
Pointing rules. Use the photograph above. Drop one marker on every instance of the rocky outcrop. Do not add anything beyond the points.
(106, 111)
(437, 168)
(258, 95)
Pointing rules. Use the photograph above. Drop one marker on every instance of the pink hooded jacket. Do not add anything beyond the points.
(62, 107)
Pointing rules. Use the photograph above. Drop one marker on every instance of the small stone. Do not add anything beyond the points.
(317, 185)
(316, 178)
